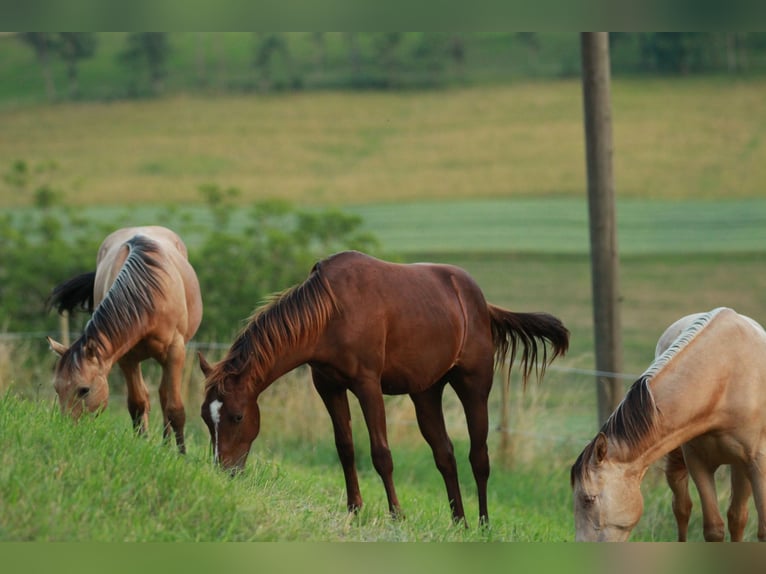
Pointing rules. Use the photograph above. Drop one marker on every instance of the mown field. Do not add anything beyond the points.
(491, 179)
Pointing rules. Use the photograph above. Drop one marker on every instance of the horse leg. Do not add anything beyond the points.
(138, 394)
(428, 409)
(335, 400)
(473, 392)
(756, 471)
(740, 494)
(677, 478)
(703, 476)
(371, 400)
(173, 412)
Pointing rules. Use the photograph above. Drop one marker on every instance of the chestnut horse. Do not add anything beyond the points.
(706, 393)
(147, 305)
(373, 328)
(702, 456)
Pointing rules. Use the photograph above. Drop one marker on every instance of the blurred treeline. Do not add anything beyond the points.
(119, 65)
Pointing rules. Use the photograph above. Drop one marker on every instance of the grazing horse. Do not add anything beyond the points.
(373, 328)
(706, 393)
(147, 304)
(701, 457)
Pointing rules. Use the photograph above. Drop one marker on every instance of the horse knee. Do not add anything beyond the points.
(382, 460)
(479, 458)
(176, 416)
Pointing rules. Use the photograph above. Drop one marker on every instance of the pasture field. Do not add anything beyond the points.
(674, 139)
(491, 179)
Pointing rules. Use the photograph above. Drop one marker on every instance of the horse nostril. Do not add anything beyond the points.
(82, 392)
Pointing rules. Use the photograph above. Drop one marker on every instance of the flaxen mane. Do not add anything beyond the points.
(634, 420)
(290, 318)
(129, 301)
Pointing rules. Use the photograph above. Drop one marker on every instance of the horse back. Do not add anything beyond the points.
(411, 322)
(179, 284)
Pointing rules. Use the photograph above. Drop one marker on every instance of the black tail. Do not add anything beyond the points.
(509, 330)
(77, 293)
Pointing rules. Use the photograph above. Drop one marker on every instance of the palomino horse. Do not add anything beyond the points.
(705, 393)
(702, 456)
(148, 304)
(372, 327)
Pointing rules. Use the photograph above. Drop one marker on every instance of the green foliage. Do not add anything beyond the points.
(238, 265)
(239, 262)
(145, 55)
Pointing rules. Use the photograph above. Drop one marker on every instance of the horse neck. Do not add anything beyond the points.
(266, 373)
(681, 414)
(114, 350)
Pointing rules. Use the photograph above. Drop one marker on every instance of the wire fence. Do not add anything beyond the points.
(560, 412)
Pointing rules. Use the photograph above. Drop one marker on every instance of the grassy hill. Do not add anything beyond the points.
(489, 178)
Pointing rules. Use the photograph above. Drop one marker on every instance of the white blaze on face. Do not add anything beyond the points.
(215, 416)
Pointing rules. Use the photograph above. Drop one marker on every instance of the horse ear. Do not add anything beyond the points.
(56, 347)
(204, 365)
(600, 448)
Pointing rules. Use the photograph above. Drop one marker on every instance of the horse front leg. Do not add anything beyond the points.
(371, 400)
(138, 394)
(677, 478)
(703, 476)
(335, 400)
(173, 412)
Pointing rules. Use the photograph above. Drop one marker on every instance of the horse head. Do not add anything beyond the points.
(80, 379)
(231, 414)
(607, 499)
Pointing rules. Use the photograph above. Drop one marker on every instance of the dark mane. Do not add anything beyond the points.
(631, 424)
(129, 301)
(290, 318)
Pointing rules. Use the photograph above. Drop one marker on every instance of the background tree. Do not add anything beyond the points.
(147, 51)
(42, 44)
(74, 47)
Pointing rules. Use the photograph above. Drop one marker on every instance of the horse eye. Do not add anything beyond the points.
(82, 392)
(588, 501)
(237, 418)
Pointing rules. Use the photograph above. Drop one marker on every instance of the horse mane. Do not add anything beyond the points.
(634, 420)
(129, 301)
(288, 319)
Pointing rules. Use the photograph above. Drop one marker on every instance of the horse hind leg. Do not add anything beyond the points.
(473, 392)
(428, 409)
(740, 494)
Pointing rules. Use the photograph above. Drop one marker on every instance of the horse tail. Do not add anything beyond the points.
(75, 293)
(533, 331)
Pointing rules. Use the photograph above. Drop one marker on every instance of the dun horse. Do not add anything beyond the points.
(372, 327)
(701, 457)
(706, 394)
(147, 305)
